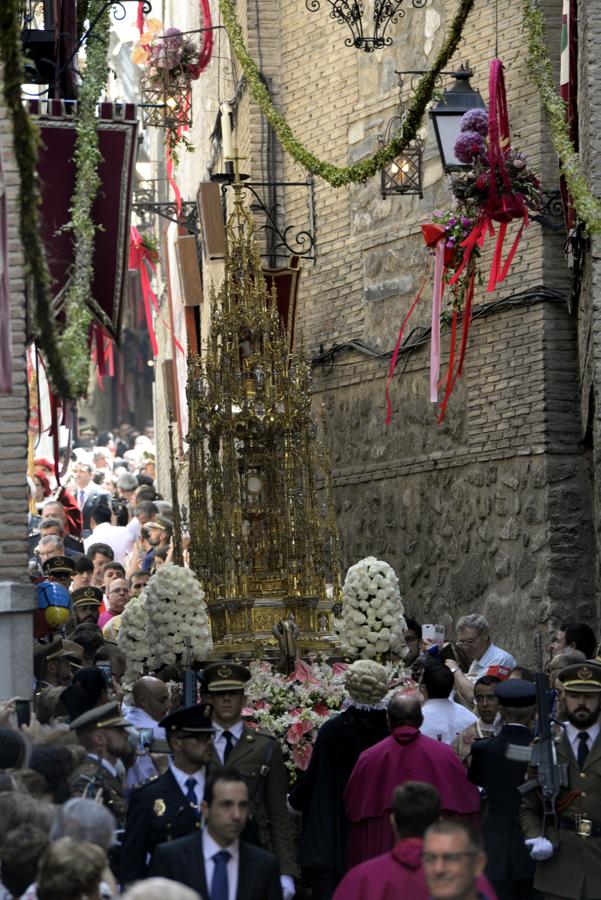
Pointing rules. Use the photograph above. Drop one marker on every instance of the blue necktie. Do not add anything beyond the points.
(191, 793)
(219, 884)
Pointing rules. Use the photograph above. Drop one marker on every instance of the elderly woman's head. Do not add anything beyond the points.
(367, 682)
(159, 889)
(85, 820)
(70, 870)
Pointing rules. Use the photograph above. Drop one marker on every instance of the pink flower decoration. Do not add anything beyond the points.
(297, 731)
(468, 146)
(302, 756)
(321, 709)
(247, 712)
(338, 668)
(302, 673)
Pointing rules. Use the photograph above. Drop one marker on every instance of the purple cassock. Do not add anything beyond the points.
(406, 755)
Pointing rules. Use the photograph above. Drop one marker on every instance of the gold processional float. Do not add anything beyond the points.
(263, 536)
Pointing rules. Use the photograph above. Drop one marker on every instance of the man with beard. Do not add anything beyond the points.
(569, 858)
(86, 604)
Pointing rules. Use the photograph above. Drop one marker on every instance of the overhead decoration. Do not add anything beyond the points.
(372, 623)
(350, 13)
(497, 188)
(338, 176)
(144, 255)
(587, 206)
(262, 541)
(26, 145)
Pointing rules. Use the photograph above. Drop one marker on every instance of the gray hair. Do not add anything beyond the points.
(570, 656)
(52, 522)
(159, 889)
(51, 540)
(479, 623)
(85, 820)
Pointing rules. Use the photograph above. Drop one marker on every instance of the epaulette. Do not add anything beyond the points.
(266, 734)
(146, 782)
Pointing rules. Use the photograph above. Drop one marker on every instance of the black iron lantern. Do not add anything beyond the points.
(363, 16)
(447, 115)
(403, 174)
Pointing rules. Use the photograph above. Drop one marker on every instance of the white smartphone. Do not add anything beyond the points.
(433, 634)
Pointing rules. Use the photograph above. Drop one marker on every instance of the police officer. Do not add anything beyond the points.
(257, 755)
(508, 865)
(168, 806)
(86, 604)
(569, 858)
(103, 733)
(59, 569)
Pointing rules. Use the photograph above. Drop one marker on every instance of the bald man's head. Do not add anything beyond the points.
(151, 695)
(404, 709)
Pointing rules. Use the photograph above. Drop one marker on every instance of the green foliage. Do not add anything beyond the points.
(587, 206)
(26, 140)
(335, 175)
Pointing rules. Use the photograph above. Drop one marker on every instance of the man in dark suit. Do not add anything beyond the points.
(508, 866)
(168, 806)
(257, 755)
(216, 863)
(86, 492)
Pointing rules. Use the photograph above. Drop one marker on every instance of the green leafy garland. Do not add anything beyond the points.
(73, 341)
(26, 142)
(587, 206)
(335, 175)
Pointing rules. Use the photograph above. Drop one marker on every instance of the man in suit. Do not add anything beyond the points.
(168, 806)
(257, 755)
(568, 859)
(86, 492)
(509, 865)
(216, 863)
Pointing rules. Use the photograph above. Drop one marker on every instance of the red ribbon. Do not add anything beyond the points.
(397, 347)
(140, 18)
(139, 257)
(466, 322)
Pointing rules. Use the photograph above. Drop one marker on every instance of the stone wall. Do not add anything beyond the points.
(16, 596)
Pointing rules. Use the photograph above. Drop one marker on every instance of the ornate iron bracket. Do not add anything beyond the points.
(551, 213)
(350, 13)
(188, 218)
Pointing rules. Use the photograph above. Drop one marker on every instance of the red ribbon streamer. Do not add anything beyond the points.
(139, 256)
(395, 352)
(140, 18)
(466, 322)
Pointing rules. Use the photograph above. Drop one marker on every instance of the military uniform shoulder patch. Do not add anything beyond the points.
(146, 782)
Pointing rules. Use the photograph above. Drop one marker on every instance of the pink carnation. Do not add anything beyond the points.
(301, 756)
(297, 731)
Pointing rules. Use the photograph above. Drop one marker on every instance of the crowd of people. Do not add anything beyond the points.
(415, 787)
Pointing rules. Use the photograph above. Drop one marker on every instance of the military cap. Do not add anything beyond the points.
(87, 596)
(516, 692)
(582, 678)
(191, 719)
(60, 647)
(106, 716)
(225, 676)
(58, 565)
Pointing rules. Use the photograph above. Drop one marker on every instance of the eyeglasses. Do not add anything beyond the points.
(469, 641)
(429, 858)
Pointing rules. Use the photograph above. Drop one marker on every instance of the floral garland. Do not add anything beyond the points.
(176, 610)
(587, 206)
(335, 175)
(73, 342)
(25, 142)
(372, 621)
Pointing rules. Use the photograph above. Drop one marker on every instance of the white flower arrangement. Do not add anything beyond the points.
(133, 638)
(372, 621)
(176, 610)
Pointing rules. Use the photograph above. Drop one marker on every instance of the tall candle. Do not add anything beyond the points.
(226, 130)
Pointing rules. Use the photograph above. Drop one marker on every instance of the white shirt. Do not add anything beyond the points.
(446, 718)
(209, 849)
(120, 538)
(143, 768)
(573, 732)
(219, 741)
(182, 777)
(494, 656)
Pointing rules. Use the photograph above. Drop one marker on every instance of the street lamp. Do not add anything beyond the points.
(403, 174)
(447, 115)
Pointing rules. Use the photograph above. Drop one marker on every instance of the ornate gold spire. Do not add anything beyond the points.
(260, 541)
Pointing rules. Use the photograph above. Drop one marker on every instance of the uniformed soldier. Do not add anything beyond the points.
(168, 806)
(257, 755)
(103, 733)
(59, 569)
(86, 604)
(55, 663)
(569, 859)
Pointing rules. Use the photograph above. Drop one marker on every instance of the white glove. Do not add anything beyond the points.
(288, 888)
(540, 848)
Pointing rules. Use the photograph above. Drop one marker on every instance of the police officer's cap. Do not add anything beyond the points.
(516, 692)
(581, 678)
(191, 719)
(225, 676)
(87, 596)
(106, 716)
(58, 565)
(60, 647)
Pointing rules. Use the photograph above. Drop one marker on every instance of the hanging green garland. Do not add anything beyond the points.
(587, 206)
(73, 341)
(26, 141)
(338, 176)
